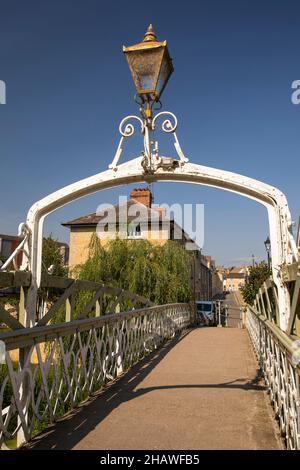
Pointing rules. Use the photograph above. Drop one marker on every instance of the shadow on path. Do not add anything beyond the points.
(70, 430)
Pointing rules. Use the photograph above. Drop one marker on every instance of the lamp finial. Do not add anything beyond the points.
(150, 35)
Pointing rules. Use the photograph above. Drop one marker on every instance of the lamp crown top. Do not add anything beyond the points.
(150, 34)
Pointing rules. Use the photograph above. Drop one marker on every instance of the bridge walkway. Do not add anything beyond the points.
(200, 391)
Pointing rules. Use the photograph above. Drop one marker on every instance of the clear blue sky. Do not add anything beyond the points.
(68, 86)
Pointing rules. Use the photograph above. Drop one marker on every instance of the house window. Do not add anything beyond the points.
(6, 249)
(134, 231)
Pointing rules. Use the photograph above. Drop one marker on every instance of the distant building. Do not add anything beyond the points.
(8, 243)
(217, 281)
(201, 277)
(64, 251)
(142, 222)
(235, 278)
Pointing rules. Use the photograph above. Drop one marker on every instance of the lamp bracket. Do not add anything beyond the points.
(151, 160)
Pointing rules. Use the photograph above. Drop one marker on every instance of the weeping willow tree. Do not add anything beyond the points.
(159, 273)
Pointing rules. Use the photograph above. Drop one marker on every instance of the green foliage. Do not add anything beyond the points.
(159, 273)
(52, 257)
(12, 299)
(257, 276)
(7, 395)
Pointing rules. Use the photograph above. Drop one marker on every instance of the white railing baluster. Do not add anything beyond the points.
(275, 353)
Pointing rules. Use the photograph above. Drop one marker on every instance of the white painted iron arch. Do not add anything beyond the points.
(283, 247)
(151, 167)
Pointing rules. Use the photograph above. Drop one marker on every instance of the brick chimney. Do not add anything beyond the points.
(142, 195)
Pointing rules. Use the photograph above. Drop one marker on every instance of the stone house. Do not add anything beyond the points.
(235, 278)
(137, 219)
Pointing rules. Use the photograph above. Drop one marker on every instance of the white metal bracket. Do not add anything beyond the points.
(23, 232)
(151, 158)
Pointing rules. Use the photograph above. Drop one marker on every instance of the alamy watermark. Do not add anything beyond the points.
(2, 92)
(295, 96)
(131, 220)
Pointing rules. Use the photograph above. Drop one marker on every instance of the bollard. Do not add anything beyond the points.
(219, 312)
(226, 316)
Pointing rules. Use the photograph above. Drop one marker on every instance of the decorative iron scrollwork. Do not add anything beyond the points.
(151, 160)
(166, 125)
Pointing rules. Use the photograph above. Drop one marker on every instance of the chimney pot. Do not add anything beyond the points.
(142, 196)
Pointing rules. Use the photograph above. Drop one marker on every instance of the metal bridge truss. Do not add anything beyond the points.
(61, 364)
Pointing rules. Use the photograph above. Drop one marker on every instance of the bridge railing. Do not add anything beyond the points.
(69, 299)
(278, 356)
(48, 370)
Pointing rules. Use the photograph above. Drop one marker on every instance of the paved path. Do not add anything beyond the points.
(198, 392)
(234, 313)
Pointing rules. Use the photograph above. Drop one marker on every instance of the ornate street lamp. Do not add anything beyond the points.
(151, 67)
(268, 249)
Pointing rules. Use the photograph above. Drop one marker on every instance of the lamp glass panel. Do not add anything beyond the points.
(165, 72)
(145, 66)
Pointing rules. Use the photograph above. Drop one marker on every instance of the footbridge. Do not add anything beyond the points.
(114, 370)
(145, 377)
